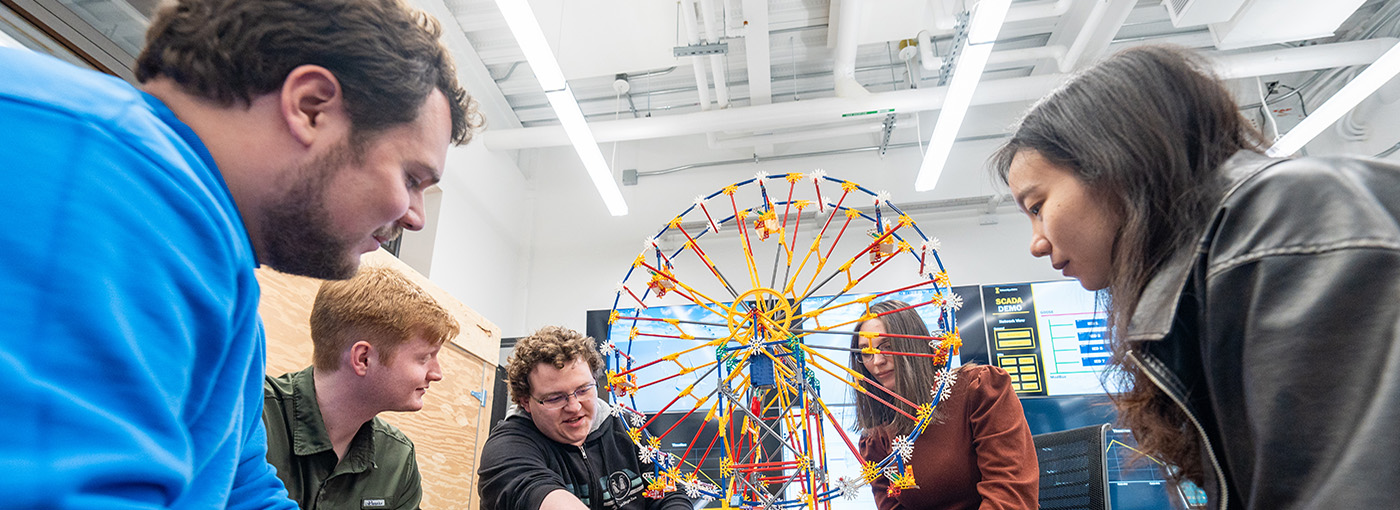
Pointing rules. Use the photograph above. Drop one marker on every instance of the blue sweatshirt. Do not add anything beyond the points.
(131, 353)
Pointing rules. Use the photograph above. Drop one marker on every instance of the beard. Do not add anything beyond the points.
(297, 228)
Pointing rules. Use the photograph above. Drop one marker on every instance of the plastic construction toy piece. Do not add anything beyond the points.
(749, 365)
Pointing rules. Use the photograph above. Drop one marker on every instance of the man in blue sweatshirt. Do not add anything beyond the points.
(296, 134)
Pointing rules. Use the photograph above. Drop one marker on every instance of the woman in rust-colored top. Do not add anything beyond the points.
(977, 453)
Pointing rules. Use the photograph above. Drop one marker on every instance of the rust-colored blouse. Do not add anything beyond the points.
(980, 456)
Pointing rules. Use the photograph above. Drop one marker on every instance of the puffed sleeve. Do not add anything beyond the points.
(1002, 440)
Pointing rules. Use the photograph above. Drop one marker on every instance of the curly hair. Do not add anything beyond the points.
(554, 345)
(378, 305)
(386, 56)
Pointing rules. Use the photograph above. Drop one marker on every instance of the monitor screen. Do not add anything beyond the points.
(1050, 336)
(1139, 482)
(656, 338)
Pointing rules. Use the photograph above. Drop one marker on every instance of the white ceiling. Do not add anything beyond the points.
(597, 40)
(774, 91)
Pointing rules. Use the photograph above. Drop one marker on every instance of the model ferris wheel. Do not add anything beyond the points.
(746, 357)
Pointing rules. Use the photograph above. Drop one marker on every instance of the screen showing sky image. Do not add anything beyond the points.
(646, 348)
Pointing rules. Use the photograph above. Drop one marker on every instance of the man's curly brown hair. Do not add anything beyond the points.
(553, 345)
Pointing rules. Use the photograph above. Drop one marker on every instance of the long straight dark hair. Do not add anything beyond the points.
(1146, 131)
(914, 375)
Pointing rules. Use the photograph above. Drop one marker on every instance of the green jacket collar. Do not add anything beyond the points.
(309, 435)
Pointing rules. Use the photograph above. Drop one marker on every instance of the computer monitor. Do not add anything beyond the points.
(657, 338)
(1138, 482)
(1050, 336)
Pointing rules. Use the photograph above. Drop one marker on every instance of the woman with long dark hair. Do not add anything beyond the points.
(1254, 302)
(977, 451)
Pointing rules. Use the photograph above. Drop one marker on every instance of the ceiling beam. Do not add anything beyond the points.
(826, 110)
(759, 58)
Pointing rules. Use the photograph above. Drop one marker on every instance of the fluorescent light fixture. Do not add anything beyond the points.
(1366, 83)
(950, 117)
(986, 23)
(526, 29)
(572, 119)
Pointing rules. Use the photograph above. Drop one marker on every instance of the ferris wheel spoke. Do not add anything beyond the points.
(742, 223)
(705, 259)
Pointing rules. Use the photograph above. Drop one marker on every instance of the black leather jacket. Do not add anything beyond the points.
(1278, 334)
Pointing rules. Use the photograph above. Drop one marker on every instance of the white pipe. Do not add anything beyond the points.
(692, 34)
(773, 116)
(1305, 58)
(757, 53)
(798, 136)
(1086, 33)
(944, 20)
(844, 68)
(824, 110)
(1019, 12)
(1054, 52)
(1037, 10)
(926, 56)
(716, 61)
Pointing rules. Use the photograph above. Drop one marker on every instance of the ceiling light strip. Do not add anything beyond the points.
(587, 147)
(982, 33)
(526, 29)
(1366, 83)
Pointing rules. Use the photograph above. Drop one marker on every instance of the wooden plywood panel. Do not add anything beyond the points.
(448, 433)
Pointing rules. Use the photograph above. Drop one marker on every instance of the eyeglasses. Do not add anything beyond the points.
(867, 357)
(559, 400)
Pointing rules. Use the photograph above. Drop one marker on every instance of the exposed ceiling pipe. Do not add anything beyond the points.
(944, 21)
(1054, 52)
(773, 116)
(759, 59)
(847, 29)
(944, 15)
(1099, 28)
(692, 36)
(830, 152)
(800, 136)
(716, 61)
(1303, 58)
(757, 53)
(825, 110)
(926, 56)
(1037, 10)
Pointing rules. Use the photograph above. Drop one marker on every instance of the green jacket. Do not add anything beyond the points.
(379, 469)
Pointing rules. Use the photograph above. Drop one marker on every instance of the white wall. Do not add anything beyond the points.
(481, 243)
(581, 253)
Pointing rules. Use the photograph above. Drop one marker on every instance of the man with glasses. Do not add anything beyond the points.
(560, 447)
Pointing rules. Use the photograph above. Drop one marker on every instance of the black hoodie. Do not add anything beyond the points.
(520, 466)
